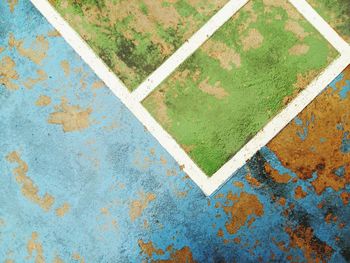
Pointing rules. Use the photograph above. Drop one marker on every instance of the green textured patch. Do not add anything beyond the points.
(134, 37)
(238, 80)
(335, 12)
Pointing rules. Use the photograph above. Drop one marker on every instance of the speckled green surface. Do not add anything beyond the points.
(335, 12)
(241, 78)
(134, 37)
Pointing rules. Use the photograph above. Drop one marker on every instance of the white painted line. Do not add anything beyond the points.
(119, 90)
(187, 49)
(132, 102)
(322, 26)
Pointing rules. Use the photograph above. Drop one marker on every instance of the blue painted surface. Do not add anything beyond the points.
(114, 162)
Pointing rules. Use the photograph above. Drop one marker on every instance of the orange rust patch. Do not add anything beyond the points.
(310, 155)
(314, 250)
(28, 188)
(8, 73)
(53, 33)
(137, 206)
(72, 118)
(252, 181)
(149, 249)
(299, 193)
(238, 184)
(77, 256)
(276, 176)
(43, 101)
(179, 256)
(282, 201)
(12, 4)
(34, 245)
(345, 197)
(244, 207)
(62, 210)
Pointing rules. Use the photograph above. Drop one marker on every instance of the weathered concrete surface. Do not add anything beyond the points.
(82, 181)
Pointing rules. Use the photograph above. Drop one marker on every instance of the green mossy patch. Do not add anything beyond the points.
(238, 80)
(134, 37)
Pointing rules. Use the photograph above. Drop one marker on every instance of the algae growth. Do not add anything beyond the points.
(238, 80)
(336, 13)
(134, 37)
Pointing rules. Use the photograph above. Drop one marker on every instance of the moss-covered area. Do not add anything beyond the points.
(134, 37)
(335, 12)
(238, 80)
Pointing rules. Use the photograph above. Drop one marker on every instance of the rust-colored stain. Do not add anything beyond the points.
(8, 73)
(299, 193)
(345, 196)
(276, 176)
(325, 132)
(29, 189)
(37, 51)
(34, 245)
(314, 249)
(243, 209)
(252, 181)
(30, 82)
(12, 4)
(53, 33)
(62, 210)
(72, 118)
(43, 101)
(137, 206)
(149, 249)
(78, 257)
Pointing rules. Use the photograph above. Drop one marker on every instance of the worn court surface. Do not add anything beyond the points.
(82, 181)
(217, 100)
(135, 37)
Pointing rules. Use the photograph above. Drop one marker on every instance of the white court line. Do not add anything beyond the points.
(322, 26)
(187, 49)
(208, 185)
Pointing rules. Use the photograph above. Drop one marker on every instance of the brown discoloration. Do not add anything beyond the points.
(72, 118)
(220, 51)
(34, 245)
(252, 40)
(30, 82)
(243, 207)
(314, 250)
(345, 197)
(214, 90)
(57, 259)
(77, 256)
(282, 201)
(43, 101)
(97, 85)
(137, 206)
(53, 33)
(62, 210)
(299, 193)
(28, 188)
(296, 29)
(37, 51)
(304, 157)
(238, 184)
(183, 255)
(252, 181)
(2, 49)
(66, 67)
(149, 249)
(161, 112)
(299, 49)
(12, 4)
(8, 73)
(276, 176)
